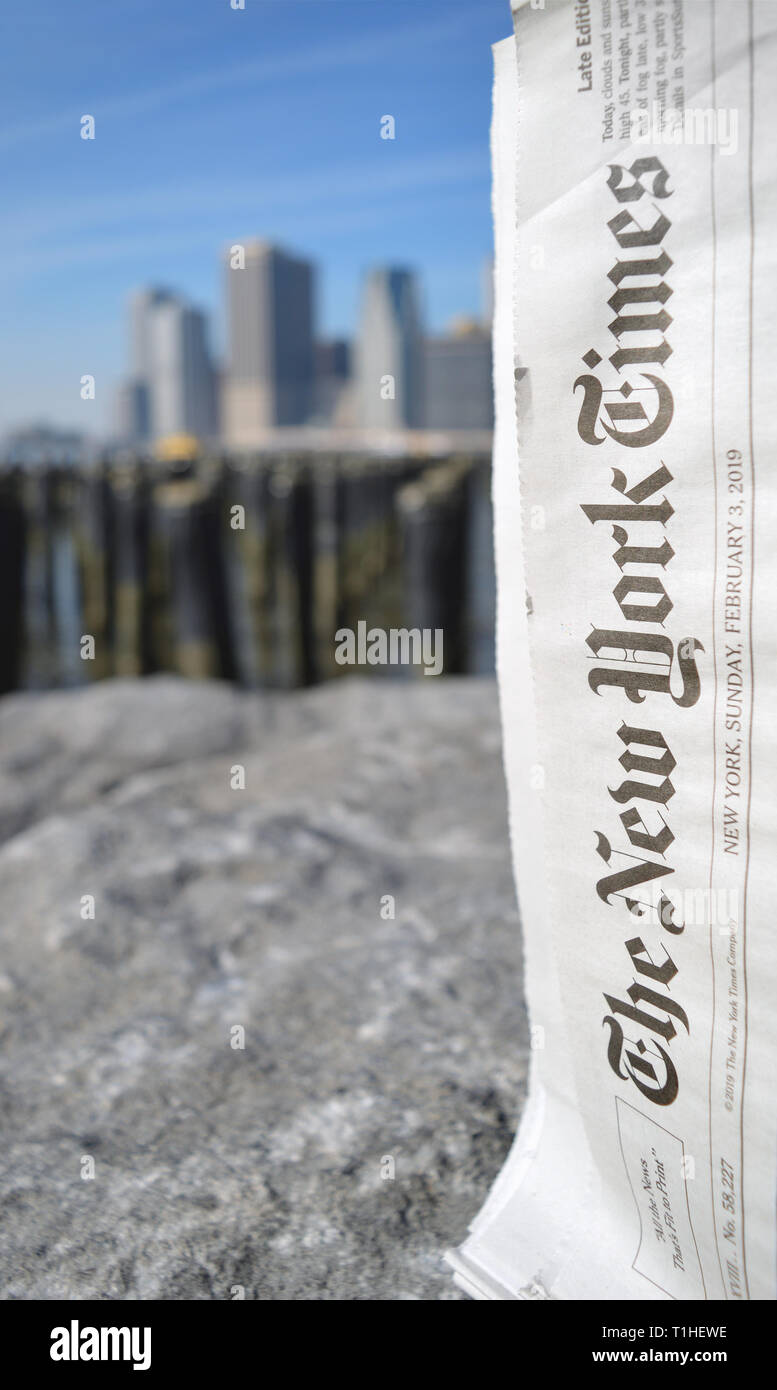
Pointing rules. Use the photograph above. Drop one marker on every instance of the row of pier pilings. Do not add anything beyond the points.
(239, 567)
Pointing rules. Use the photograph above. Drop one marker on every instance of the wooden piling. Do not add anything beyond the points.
(434, 558)
(247, 567)
(39, 663)
(130, 616)
(189, 626)
(12, 565)
(327, 490)
(89, 520)
(291, 551)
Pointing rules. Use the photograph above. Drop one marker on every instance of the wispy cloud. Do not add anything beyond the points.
(348, 192)
(295, 63)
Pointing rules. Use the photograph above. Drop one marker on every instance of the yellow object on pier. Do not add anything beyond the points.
(174, 448)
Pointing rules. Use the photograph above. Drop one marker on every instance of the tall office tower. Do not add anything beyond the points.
(172, 389)
(182, 386)
(389, 356)
(131, 412)
(270, 375)
(457, 379)
(333, 378)
(136, 424)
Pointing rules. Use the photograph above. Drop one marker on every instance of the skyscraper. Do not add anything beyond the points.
(182, 395)
(172, 388)
(389, 353)
(270, 375)
(457, 379)
(333, 382)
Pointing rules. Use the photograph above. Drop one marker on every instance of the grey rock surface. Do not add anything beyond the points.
(366, 1037)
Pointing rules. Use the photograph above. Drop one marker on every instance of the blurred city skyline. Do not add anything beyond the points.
(278, 371)
(213, 126)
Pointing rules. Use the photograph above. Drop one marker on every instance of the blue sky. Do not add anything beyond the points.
(213, 125)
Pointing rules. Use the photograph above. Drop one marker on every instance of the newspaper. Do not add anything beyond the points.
(635, 500)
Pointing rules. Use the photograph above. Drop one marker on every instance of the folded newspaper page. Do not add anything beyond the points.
(635, 494)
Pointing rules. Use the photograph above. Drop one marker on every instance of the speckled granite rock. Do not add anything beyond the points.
(365, 1037)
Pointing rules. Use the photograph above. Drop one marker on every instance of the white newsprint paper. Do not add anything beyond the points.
(635, 488)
